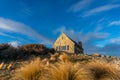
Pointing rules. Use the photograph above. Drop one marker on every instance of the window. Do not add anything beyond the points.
(67, 47)
(57, 48)
(62, 47)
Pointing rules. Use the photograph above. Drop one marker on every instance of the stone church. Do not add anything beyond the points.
(65, 43)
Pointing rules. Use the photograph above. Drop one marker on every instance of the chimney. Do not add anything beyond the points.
(80, 44)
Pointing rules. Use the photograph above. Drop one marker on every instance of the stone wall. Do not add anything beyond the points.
(63, 40)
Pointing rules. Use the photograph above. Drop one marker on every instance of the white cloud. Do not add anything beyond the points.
(13, 26)
(116, 23)
(14, 43)
(115, 40)
(79, 5)
(101, 9)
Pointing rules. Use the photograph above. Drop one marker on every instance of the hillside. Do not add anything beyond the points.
(36, 62)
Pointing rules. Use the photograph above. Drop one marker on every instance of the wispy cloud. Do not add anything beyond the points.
(115, 40)
(86, 9)
(110, 49)
(60, 29)
(116, 23)
(26, 10)
(83, 37)
(101, 9)
(114, 1)
(79, 6)
(6, 35)
(13, 26)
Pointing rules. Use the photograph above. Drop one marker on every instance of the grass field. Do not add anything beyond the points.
(62, 67)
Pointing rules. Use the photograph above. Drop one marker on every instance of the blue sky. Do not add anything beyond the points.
(94, 22)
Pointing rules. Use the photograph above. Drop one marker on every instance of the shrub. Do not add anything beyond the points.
(9, 53)
(4, 46)
(36, 49)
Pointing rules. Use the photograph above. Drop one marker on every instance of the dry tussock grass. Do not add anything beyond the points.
(63, 57)
(66, 70)
(52, 58)
(46, 62)
(57, 71)
(9, 66)
(31, 71)
(103, 71)
(1, 65)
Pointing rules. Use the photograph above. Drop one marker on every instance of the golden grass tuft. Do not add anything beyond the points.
(46, 62)
(65, 70)
(31, 71)
(63, 57)
(1, 65)
(68, 71)
(56, 54)
(52, 57)
(9, 66)
(103, 71)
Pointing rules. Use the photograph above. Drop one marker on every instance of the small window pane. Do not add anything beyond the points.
(57, 48)
(67, 47)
